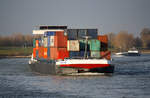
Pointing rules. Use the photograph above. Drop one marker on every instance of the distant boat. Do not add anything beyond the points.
(121, 53)
(132, 52)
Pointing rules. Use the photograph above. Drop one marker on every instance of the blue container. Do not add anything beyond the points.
(83, 52)
(92, 33)
(48, 41)
(74, 54)
(78, 54)
(72, 34)
(40, 42)
(87, 32)
(48, 52)
(82, 45)
(49, 33)
(81, 33)
(37, 54)
(34, 41)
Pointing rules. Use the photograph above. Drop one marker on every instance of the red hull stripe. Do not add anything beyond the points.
(87, 66)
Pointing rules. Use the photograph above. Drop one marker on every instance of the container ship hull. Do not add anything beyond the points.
(59, 50)
(73, 67)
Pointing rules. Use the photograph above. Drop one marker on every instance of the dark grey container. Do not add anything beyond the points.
(92, 33)
(72, 34)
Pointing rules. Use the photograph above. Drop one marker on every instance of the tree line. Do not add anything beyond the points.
(120, 41)
(123, 40)
(17, 40)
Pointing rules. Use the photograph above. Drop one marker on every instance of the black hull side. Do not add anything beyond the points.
(133, 54)
(43, 67)
(109, 69)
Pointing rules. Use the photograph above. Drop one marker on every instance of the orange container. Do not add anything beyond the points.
(41, 52)
(103, 38)
(60, 40)
(34, 52)
(105, 54)
(45, 53)
(52, 53)
(58, 53)
(104, 42)
(37, 44)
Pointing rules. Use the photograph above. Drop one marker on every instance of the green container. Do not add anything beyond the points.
(95, 54)
(82, 44)
(94, 45)
(34, 43)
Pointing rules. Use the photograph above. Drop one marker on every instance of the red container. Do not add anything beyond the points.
(34, 52)
(59, 33)
(63, 53)
(45, 53)
(58, 53)
(60, 40)
(105, 54)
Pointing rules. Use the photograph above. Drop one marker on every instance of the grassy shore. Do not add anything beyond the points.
(15, 51)
(26, 52)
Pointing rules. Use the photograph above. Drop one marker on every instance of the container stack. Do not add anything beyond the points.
(85, 48)
(55, 45)
(47, 43)
(91, 48)
(59, 46)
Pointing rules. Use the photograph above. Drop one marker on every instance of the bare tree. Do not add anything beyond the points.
(145, 37)
(123, 41)
(16, 39)
(111, 37)
(137, 42)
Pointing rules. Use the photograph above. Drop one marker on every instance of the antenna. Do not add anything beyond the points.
(86, 44)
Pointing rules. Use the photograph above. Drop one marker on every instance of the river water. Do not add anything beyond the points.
(130, 80)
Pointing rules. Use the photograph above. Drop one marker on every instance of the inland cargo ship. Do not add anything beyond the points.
(63, 51)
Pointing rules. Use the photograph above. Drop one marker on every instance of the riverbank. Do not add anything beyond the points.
(145, 51)
(29, 56)
(15, 52)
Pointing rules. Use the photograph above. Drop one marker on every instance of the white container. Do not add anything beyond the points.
(45, 41)
(73, 45)
(52, 41)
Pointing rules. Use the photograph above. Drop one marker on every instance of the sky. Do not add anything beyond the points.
(106, 15)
